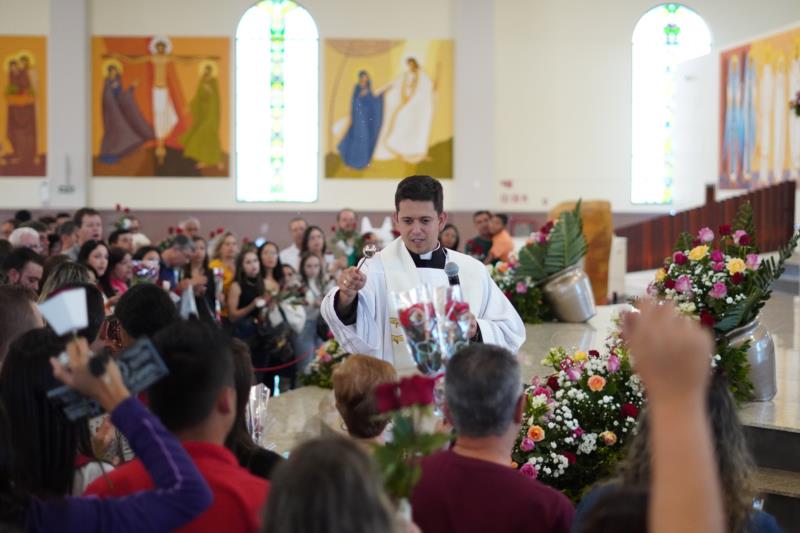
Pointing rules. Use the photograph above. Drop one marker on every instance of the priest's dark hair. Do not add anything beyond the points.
(200, 365)
(144, 310)
(420, 189)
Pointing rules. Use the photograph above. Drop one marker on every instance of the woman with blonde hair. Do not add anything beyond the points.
(226, 249)
(354, 382)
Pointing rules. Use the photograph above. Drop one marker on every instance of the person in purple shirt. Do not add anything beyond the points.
(180, 495)
(472, 487)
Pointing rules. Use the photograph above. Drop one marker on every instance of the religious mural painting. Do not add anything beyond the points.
(23, 106)
(389, 108)
(760, 112)
(160, 106)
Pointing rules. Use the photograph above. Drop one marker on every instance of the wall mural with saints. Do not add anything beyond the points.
(23, 106)
(160, 106)
(760, 112)
(389, 108)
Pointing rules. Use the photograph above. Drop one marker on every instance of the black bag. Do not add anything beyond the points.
(275, 341)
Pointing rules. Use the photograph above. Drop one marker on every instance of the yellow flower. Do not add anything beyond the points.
(536, 433)
(514, 465)
(609, 438)
(736, 265)
(596, 383)
(698, 252)
(579, 356)
(661, 274)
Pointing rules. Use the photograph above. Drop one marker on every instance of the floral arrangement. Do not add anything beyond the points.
(320, 371)
(795, 104)
(521, 291)
(578, 419)
(720, 280)
(124, 220)
(409, 404)
(557, 246)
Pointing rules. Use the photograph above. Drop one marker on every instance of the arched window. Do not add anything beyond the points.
(277, 104)
(664, 37)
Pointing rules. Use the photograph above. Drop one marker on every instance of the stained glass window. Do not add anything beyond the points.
(277, 104)
(664, 37)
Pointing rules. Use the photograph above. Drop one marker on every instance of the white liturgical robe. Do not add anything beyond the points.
(376, 330)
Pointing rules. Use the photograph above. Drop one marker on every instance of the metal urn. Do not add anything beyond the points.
(569, 294)
(760, 356)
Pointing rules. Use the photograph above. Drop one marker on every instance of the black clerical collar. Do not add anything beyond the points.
(435, 259)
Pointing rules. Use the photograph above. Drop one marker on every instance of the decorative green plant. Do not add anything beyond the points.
(557, 246)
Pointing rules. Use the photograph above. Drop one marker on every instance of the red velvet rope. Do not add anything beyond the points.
(285, 365)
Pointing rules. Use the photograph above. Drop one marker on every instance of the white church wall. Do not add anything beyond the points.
(563, 96)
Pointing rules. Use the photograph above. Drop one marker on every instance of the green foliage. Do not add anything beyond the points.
(684, 242)
(567, 242)
(733, 363)
(399, 460)
(566, 246)
(531, 306)
(744, 221)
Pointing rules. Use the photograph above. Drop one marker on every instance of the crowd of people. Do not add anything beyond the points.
(187, 460)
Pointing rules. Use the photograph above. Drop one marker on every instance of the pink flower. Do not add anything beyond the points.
(522, 288)
(718, 291)
(705, 235)
(527, 444)
(717, 256)
(718, 267)
(679, 258)
(325, 358)
(577, 433)
(539, 391)
(741, 237)
(529, 470)
(752, 261)
(613, 364)
(684, 284)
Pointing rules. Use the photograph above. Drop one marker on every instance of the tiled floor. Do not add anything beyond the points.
(781, 316)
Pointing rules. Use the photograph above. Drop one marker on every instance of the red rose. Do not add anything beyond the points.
(333, 229)
(547, 228)
(707, 319)
(679, 258)
(725, 229)
(220, 230)
(737, 278)
(178, 230)
(211, 235)
(454, 309)
(386, 397)
(696, 242)
(629, 410)
(127, 210)
(552, 382)
(669, 283)
(416, 390)
(571, 457)
(745, 240)
(412, 316)
(594, 353)
(424, 387)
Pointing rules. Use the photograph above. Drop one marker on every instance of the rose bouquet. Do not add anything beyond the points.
(417, 318)
(721, 280)
(144, 271)
(320, 371)
(577, 420)
(124, 220)
(409, 405)
(521, 291)
(452, 319)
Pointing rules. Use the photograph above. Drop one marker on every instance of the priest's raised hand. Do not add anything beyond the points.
(350, 281)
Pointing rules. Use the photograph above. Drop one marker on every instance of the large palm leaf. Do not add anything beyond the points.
(567, 242)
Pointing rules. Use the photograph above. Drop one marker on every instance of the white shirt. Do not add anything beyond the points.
(291, 256)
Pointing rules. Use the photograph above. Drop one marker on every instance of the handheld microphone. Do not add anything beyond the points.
(451, 269)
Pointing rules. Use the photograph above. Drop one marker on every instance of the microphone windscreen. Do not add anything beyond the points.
(451, 269)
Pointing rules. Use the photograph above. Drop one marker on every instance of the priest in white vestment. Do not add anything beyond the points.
(359, 309)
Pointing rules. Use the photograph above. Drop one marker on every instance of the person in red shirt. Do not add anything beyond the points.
(197, 403)
(472, 487)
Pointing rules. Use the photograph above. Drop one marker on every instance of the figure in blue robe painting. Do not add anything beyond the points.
(366, 117)
(124, 127)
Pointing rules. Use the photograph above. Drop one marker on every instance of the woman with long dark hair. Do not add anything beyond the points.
(197, 268)
(114, 282)
(734, 464)
(36, 453)
(94, 256)
(271, 266)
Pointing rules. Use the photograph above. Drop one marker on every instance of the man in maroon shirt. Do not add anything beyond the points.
(197, 403)
(472, 488)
